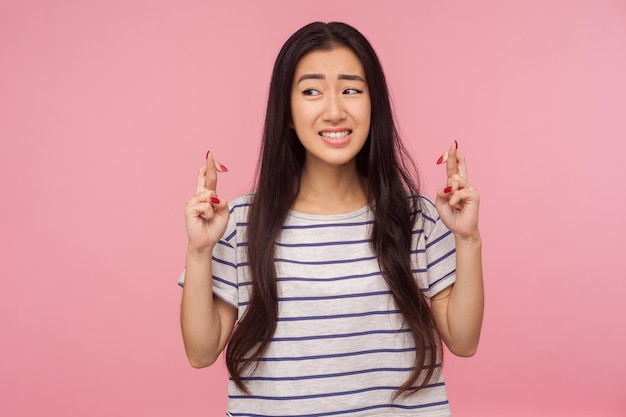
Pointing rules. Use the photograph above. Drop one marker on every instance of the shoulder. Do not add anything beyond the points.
(239, 206)
(238, 209)
(242, 201)
(424, 209)
(428, 210)
(427, 221)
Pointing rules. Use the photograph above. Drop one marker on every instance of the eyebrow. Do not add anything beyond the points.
(348, 77)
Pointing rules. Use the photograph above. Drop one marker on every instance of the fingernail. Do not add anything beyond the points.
(440, 160)
(456, 144)
(223, 168)
(207, 154)
(215, 200)
(447, 189)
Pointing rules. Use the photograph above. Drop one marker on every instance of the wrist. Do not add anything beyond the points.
(196, 252)
(472, 239)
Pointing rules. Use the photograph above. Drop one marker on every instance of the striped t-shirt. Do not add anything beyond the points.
(341, 347)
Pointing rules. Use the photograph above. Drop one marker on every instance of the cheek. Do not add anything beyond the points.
(302, 113)
(366, 113)
(362, 110)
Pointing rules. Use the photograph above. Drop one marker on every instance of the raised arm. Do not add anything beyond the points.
(458, 310)
(206, 320)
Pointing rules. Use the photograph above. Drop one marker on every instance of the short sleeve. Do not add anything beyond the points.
(225, 261)
(439, 250)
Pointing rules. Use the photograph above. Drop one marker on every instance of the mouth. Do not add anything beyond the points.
(335, 135)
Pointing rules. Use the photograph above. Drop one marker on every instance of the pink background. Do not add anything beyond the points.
(108, 107)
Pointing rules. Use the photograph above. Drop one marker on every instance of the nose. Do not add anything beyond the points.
(334, 110)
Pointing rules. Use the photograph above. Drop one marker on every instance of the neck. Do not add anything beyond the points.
(331, 190)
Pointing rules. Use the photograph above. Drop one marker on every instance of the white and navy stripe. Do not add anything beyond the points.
(340, 347)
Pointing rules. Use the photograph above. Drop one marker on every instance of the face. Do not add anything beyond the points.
(330, 106)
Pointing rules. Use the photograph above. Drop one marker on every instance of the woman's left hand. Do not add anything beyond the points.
(457, 202)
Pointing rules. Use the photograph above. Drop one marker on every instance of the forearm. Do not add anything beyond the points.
(200, 322)
(466, 300)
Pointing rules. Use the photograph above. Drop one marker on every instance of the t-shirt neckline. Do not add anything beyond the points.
(342, 216)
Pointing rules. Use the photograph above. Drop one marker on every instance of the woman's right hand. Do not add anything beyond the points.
(206, 214)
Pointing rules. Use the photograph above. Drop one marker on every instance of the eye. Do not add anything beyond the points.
(351, 91)
(311, 92)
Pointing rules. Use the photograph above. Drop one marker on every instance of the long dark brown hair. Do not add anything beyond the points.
(392, 192)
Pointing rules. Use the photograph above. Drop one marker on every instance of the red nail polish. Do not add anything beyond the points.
(456, 144)
(223, 168)
(215, 200)
(207, 154)
(447, 189)
(440, 160)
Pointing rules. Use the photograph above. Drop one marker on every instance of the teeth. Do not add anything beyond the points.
(335, 135)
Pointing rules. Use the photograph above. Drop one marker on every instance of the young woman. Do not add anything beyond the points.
(333, 284)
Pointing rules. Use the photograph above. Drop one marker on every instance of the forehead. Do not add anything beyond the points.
(340, 60)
